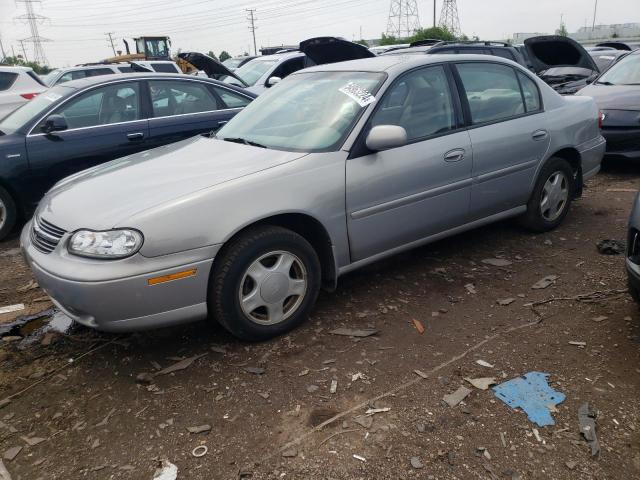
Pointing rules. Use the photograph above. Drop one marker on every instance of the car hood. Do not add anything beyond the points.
(614, 97)
(321, 50)
(104, 196)
(213, 68)
(550, 51)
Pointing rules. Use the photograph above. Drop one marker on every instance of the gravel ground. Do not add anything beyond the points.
(268, 411)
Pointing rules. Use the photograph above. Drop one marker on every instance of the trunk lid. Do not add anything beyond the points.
(550, 51)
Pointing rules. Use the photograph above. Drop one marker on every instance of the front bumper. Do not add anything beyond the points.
(622, 143)
(114, 295)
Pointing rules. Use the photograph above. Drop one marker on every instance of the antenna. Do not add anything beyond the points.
(403, 18)
(33, 19)
(449, 17)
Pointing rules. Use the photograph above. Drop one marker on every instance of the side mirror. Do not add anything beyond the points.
(273, 80)
(384, 137)
(54, 123)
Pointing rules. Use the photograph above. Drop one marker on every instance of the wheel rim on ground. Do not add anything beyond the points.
(273, 287)
(555, 195)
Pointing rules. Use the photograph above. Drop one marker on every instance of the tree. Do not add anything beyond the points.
(562, 31)
(437, 33)
(389, 40)
(19, 61)
(212, 55)
(362, 42)
(224, 55)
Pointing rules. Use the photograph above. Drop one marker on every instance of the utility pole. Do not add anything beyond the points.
(111, 41)
(252, 27)
(24, 51)
(595, 9)
(434, 13)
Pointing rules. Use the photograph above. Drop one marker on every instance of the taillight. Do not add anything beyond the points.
(28, 96)
(601, 116)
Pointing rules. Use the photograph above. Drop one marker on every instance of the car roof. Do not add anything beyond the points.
(400, 63)
(11, 68)
(279, 56)
(102, 79)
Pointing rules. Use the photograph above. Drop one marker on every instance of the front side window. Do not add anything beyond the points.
(492, 91)
(307, 112)
(288, 67)
(103, 106)
(232, 99)
(420, 102)
(173, 97)
(530, 93)
(31, 110)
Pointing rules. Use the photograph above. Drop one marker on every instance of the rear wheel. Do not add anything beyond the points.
(264, 283)
(7, 213)
(551, 198)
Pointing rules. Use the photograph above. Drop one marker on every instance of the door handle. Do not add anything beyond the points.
(539, 135)
(135, 136)
(454, 155)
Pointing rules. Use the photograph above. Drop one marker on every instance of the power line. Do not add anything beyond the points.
(252, 27)
(403, 18)
(449, 17)
(33, 19)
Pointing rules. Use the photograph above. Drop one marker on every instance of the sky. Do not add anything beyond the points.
(77, 28)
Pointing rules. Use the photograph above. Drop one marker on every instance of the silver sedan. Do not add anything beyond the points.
(333, 168)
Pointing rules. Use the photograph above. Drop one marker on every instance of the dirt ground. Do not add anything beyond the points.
(268, 409)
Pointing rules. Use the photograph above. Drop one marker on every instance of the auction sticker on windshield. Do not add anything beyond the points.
(361, 95)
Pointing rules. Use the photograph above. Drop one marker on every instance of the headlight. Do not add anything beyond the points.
(108, 244)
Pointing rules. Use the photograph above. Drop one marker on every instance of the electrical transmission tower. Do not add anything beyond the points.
(252, 27)
(449, 17)
(33, 19)
(403, 18)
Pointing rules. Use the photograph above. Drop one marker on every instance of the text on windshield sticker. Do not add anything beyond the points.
(361, 95)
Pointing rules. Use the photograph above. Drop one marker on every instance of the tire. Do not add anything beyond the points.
(559, 194)
(635, 294)
(7, 213)
(253, 268)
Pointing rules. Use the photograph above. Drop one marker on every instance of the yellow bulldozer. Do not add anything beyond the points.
(147, 48)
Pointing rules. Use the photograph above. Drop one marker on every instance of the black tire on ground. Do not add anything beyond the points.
(9, 213)
(533, 218)
(230, 267)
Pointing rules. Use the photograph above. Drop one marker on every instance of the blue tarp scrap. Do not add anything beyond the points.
(532, 394)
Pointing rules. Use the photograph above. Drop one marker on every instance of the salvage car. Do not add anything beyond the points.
(62, 75)
(617, 93)
(18, 85)
(633, 251)
(82, 123)
(335, 167)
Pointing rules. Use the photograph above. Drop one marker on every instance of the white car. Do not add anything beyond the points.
(62, 75)
(18, 85)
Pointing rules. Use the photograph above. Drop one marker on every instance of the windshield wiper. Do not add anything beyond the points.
(243, 140)
(608, 84)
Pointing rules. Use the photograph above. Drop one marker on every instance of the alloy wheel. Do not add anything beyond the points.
(3, 214)
(555, 195)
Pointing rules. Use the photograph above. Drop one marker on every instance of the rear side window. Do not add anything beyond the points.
(74, 75)
(172, 97)
(164, 68)
(96, 72)
(232, 99)
(530, 93)
(503, 52)
(125, 69)
(492, 91)
(7, 79)
(288, 67)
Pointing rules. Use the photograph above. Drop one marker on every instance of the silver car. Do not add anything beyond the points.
(335, 167)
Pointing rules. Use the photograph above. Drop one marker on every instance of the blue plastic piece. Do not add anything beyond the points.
(531, 393)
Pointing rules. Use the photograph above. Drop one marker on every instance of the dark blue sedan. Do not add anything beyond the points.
(86, 122)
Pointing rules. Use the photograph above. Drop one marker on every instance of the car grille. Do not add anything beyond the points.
(44, 235)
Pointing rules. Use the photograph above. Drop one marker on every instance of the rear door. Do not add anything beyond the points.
(508, 132)
(183, 108)
(104, 123)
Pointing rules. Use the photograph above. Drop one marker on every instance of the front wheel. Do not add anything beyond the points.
(551, 197)
(264, 283)
(7, 213)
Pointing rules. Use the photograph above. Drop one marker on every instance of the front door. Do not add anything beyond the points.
(399, 196)
(103, 124)
(508, 133)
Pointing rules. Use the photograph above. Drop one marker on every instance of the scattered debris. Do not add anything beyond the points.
(32, 285)
(304, 372)
(144, 378)
(359, 457)
(471, 289)
(364, 421)
(577, 344)
(587, 419)
(482, 363)
(354, 332)
(167, 471)
(506, 301)
(532, 394)
(181, 365)
(358, 376)
(622, 190)
(537, 435)
(416, 463)
(610, 247)
(106, 419)
(11, 453)
(497, 262)
(199, 429)
(545, 282)
(12, 308)
(199, 451)
(254, 370)
(571, 464)
(599, 319)
(218, 349)
(4, 402)
(334, 386)
(373, 411)
(290, 453)
(421, 374)
(503, 440)
(456, 397)
(33, 441)
(4, 473)
(418, 325)
(313, 388)
(481, 383)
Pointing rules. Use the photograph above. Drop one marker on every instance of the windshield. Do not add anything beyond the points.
(23, 115)
(50, 77)
(251, 71)
(307, 112)
(232, 62)
(625, 72)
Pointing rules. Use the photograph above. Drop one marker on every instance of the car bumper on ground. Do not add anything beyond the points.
(125, 299)
(623, 143)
